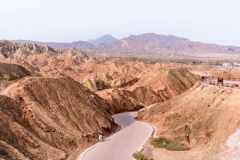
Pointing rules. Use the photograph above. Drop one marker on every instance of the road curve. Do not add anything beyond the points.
(124, 143)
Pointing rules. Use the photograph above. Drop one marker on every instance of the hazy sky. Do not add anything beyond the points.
(210, 21)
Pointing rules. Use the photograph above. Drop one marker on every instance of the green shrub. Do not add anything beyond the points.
(139, 156)
(168, 144)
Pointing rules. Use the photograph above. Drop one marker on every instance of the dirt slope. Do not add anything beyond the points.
(202, 117)
(56, 116)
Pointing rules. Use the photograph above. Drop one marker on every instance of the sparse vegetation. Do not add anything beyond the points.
(168, 144)
(139, 156)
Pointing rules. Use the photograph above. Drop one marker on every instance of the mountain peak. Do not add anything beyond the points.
(104, 39)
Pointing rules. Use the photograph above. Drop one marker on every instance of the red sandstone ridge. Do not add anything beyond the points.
(120, 100)
(53, 118)
(202, 117)
(154, 87)
(166, 83)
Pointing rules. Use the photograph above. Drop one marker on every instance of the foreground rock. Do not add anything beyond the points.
(53, 118)
(202, 117)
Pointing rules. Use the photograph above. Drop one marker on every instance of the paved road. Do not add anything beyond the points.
(124, 143)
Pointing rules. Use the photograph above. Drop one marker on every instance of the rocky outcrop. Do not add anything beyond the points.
(76, 54)
(11, 73)
(60, 115)
(50, 51)
(120, 100)
(22, 53)
(155, 87)
(90, 84)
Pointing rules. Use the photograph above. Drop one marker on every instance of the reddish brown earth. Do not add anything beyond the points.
(50, 118)
(203, 120)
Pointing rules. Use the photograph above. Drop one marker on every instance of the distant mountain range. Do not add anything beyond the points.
(103, 39)
(144, 45)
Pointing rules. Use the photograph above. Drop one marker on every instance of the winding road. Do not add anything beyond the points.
(121, 145)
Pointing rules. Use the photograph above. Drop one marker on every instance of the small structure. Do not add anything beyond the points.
(220, 80)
